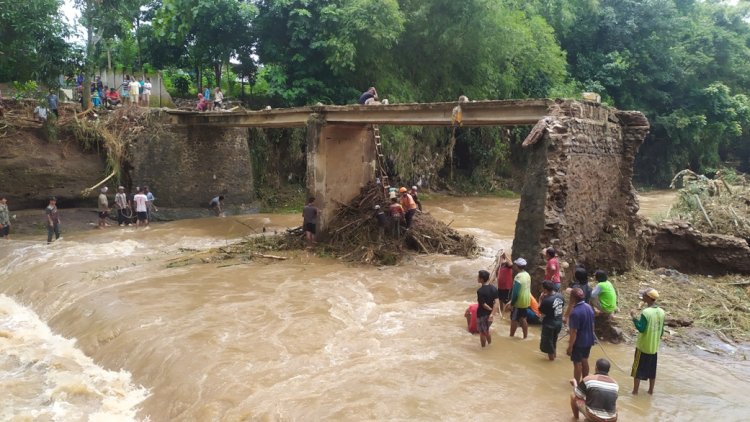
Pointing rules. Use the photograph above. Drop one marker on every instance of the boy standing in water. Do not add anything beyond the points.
(488, 306)
(141, 208)
(309, 218)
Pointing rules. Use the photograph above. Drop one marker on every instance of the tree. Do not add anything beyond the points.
(33, 45)
(213, 32)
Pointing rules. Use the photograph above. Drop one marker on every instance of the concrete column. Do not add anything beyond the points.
(340, 161)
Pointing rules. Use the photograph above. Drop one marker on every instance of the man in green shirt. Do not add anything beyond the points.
(650, 326)
(604, 296)
(520, 298)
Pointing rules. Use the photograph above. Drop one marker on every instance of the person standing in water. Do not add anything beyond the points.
(504, 278)
(4, 218)
(520, 298)
(309, 220)
(488, 307)
(581, 338)
(53, 219)
(121, 203)
(141, 208)
(103, 208)
(650, 328)
(551, 307)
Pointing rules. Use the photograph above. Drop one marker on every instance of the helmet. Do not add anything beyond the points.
(402, 190)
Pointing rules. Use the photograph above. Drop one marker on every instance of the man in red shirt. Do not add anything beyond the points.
(113, 97)
(553, 267)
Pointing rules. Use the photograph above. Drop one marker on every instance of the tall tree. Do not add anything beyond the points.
(33, 45)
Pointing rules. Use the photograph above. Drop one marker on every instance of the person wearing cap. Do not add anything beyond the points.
(381, 220)
(4, 218)
(121, 204)
(53, 219)
(552, 270)
(650, 326)
(596, 395)
(410, 207)
(520, 298)
(581, 334)
(604, 296)
(551, 307)
(415, 196)
(103, 207)
(488, 306)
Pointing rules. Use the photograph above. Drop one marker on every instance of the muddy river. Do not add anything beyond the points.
(99, 326)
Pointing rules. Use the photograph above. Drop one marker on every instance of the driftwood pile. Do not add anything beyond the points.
(353, 235)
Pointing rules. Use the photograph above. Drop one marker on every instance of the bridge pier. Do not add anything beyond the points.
(340, 161)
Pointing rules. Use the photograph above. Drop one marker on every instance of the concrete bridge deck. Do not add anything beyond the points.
(476, 113)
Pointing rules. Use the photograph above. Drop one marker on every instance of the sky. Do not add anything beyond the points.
(70, 12)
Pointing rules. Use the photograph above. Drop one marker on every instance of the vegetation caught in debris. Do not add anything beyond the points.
(714, 205)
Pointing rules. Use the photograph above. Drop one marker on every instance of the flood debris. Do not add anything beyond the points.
(719, 205)
(353, 235)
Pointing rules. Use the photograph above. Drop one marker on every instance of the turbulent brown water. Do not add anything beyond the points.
(305, 339)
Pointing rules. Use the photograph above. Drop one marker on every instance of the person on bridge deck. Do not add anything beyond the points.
(604, 296)
(650, 328)
(471, 318)
(415, 196)
(309, 218)
(552, 271)
(520, 298)
(135, 88)
(202, 103)
(488, 306)
(218, 98)
(581, 334)
(596, 395)
(368, 96)
(551, 307)
(410, 207)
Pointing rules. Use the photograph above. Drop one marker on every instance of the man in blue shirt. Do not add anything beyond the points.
(581, 329)
(52, 102)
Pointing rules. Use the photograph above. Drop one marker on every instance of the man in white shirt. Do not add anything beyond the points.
(141, 208)
(134, 88)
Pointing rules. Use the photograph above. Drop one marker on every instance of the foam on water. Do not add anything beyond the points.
(43, 376)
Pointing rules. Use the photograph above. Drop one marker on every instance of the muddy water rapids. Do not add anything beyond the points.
(99, 326)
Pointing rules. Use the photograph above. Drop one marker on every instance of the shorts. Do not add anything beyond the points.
(580, 353)
(483, 324)
(503, 295)
(142, 215)
(310, 227)
(548, 342)
(103, 214)
(5, 231)
(518, 314)
(644, 365)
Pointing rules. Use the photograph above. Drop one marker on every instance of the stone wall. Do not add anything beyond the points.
(187, 166)
(577, 194)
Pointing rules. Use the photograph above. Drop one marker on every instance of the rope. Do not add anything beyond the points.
(599, 342)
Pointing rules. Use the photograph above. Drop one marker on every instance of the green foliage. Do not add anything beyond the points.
(181, 83)
(32, 40)
(28, 89)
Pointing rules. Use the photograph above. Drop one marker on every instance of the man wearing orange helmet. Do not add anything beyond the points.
(409, 206)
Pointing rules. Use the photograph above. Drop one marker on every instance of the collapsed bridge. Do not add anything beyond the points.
(577, 192)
